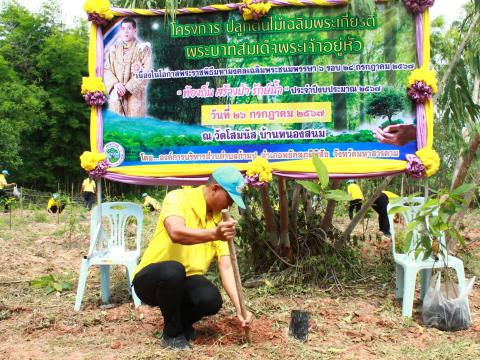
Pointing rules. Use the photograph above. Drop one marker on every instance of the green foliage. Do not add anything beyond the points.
(432, 221)
(321, 188)
(43, 117)
(386, 103)
(51, 284)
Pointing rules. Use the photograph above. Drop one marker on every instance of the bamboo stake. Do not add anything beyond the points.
(238, 279)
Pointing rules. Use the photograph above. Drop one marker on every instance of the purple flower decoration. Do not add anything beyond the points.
(418, 6)
(95, 98)
(415, 167)
(97, 19)
(253, 181)
(420, 92)
(100, 170)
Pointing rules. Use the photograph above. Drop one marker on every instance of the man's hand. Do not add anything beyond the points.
(120, 89)
(397, 135)
(246, 322)
(226, 230)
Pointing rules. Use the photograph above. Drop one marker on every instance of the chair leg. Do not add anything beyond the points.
(425, 276)
(82, 281)
(130, 270)
(105, 283)
(408, 291)
(399, 280)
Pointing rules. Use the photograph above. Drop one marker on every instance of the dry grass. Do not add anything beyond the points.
(357, 321)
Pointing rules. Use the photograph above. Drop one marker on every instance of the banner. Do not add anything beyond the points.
(211, 88)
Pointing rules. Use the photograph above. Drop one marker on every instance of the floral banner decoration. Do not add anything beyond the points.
(259, 172)
(95, 163)
(254, 9)
(418, 6)
(98, 11)
(430, 160)
(422, 84)
(93, 91)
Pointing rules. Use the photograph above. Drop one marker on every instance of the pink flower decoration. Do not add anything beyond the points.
(95, 98)
(254, 182)
(415, 167)
(420, 92)
(418, 6)
(97, 19)
(100, 170)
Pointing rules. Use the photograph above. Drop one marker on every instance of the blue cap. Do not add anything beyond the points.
(144, 195)
(5, 172)
(55, 195)
(232, 181)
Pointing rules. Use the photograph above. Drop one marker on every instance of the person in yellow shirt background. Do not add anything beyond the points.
(380, 206)
(88, 191)
(190, 233)
(55, 204)
(357, 197)
(3, 185)
(150, 203)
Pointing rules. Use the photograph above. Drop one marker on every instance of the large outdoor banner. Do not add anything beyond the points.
(211, 88)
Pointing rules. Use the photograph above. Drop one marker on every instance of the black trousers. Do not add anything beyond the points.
(88, 199)
(4, 199)
(183, 300)
(380, 206)
(354, 206)
(55, 208)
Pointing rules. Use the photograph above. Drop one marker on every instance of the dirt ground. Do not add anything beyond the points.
(359, 320)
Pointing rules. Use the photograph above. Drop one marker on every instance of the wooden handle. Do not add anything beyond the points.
(236, 273)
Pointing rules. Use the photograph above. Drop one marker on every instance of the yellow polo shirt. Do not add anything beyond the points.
(151, 201)
(190, 205)
(89, 185)
(355, 192)
(52, 202)
(390, 194)
(3, 181)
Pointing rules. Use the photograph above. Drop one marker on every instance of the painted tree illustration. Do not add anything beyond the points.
(386, 103)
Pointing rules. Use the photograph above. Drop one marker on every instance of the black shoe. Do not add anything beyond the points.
(177, 342)
(190, 333)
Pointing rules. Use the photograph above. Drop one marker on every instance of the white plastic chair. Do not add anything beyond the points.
(107, 247)
(408, 265)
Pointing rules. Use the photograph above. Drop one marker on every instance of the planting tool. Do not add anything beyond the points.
(236, 273)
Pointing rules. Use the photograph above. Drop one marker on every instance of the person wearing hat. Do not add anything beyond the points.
(357, 197)
(3, 185)
(150, 203)
(55, 204)
(190, 233)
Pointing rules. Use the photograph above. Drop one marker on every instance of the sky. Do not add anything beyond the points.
(450, 9)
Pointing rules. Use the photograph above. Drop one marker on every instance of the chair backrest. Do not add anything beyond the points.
(117, 215)
(413, 205)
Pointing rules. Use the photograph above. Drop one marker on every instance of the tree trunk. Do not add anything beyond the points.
(465, 160)
(390, 27)
(294, 209)
(270, 223)
(282, 194)
(457, 55)
(366, 205)
(328, 217)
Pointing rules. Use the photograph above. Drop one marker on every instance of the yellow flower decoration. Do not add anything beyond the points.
(89, 160)
(100, 7)
(254, 9)
(430, 160)
(92, 84)
(429, 77)
(259, 167)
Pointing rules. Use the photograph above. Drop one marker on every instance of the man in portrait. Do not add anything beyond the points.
(127, 94)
